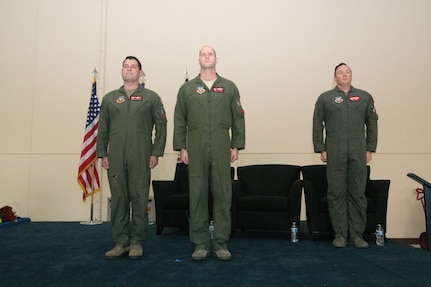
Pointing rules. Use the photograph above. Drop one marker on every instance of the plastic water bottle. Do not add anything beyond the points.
(294, 232)
(380, 236)
(211, 229)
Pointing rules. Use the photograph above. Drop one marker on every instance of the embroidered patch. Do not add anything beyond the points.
(200, 90)
(374, 112)
(238, 103)
(162, 111)
(339, 100)
(355, 98)
(218, 89)
(135, 98)
(121, 99)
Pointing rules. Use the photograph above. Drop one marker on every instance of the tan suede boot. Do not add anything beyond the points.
(136, 251)
(116, 252)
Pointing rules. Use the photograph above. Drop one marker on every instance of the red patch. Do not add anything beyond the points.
(135, 98)
(218, 89)
(354, 98)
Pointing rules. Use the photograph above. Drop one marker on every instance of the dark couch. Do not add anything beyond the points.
(266, 197)
(315, 190)
(172, 200)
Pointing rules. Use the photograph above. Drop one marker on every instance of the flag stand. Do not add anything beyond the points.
(91, 222)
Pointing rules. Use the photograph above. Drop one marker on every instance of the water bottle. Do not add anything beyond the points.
(380, 236)
(294, 232)
(211, 229)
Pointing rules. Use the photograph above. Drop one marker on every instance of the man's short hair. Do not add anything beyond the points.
(133, 58)
(339, 65)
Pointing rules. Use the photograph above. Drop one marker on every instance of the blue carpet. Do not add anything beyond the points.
(71, 254)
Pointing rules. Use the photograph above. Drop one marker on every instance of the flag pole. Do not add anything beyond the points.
(93, 170)
(92, 221)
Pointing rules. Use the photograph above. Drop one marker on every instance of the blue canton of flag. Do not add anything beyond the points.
(94, 108)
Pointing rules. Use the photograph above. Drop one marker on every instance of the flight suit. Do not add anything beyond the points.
(125, 136)
(350, 124)
(204, 118)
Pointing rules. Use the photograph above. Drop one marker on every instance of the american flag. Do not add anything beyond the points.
(88, 176)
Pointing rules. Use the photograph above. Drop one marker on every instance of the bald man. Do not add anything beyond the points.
(208, 109)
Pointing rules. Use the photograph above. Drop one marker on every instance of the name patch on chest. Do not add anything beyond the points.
(218, 89)
(355, 98)
(135, 98)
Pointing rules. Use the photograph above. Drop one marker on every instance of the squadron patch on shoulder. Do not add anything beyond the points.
(374, 112)
(121, 99)
(339, 100)
(200, 90)
(162, 111)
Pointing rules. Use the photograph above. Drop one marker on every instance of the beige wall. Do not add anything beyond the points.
(281, 55)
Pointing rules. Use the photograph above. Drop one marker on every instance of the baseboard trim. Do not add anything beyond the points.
(407, 240)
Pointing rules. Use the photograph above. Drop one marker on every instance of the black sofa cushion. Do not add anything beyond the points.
(263, 203)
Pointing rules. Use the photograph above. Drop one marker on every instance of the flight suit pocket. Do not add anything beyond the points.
(115, 182)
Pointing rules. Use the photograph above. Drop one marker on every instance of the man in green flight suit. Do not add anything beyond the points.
(349, 119)
(125, 144)
(207, 108)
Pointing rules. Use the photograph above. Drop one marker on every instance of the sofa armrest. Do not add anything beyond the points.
(294, 199)
(378, 190)
(161, 189)
(312, 206)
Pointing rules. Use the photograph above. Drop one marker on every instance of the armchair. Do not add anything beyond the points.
(267, 197)
(315, 190)
(172, 200)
